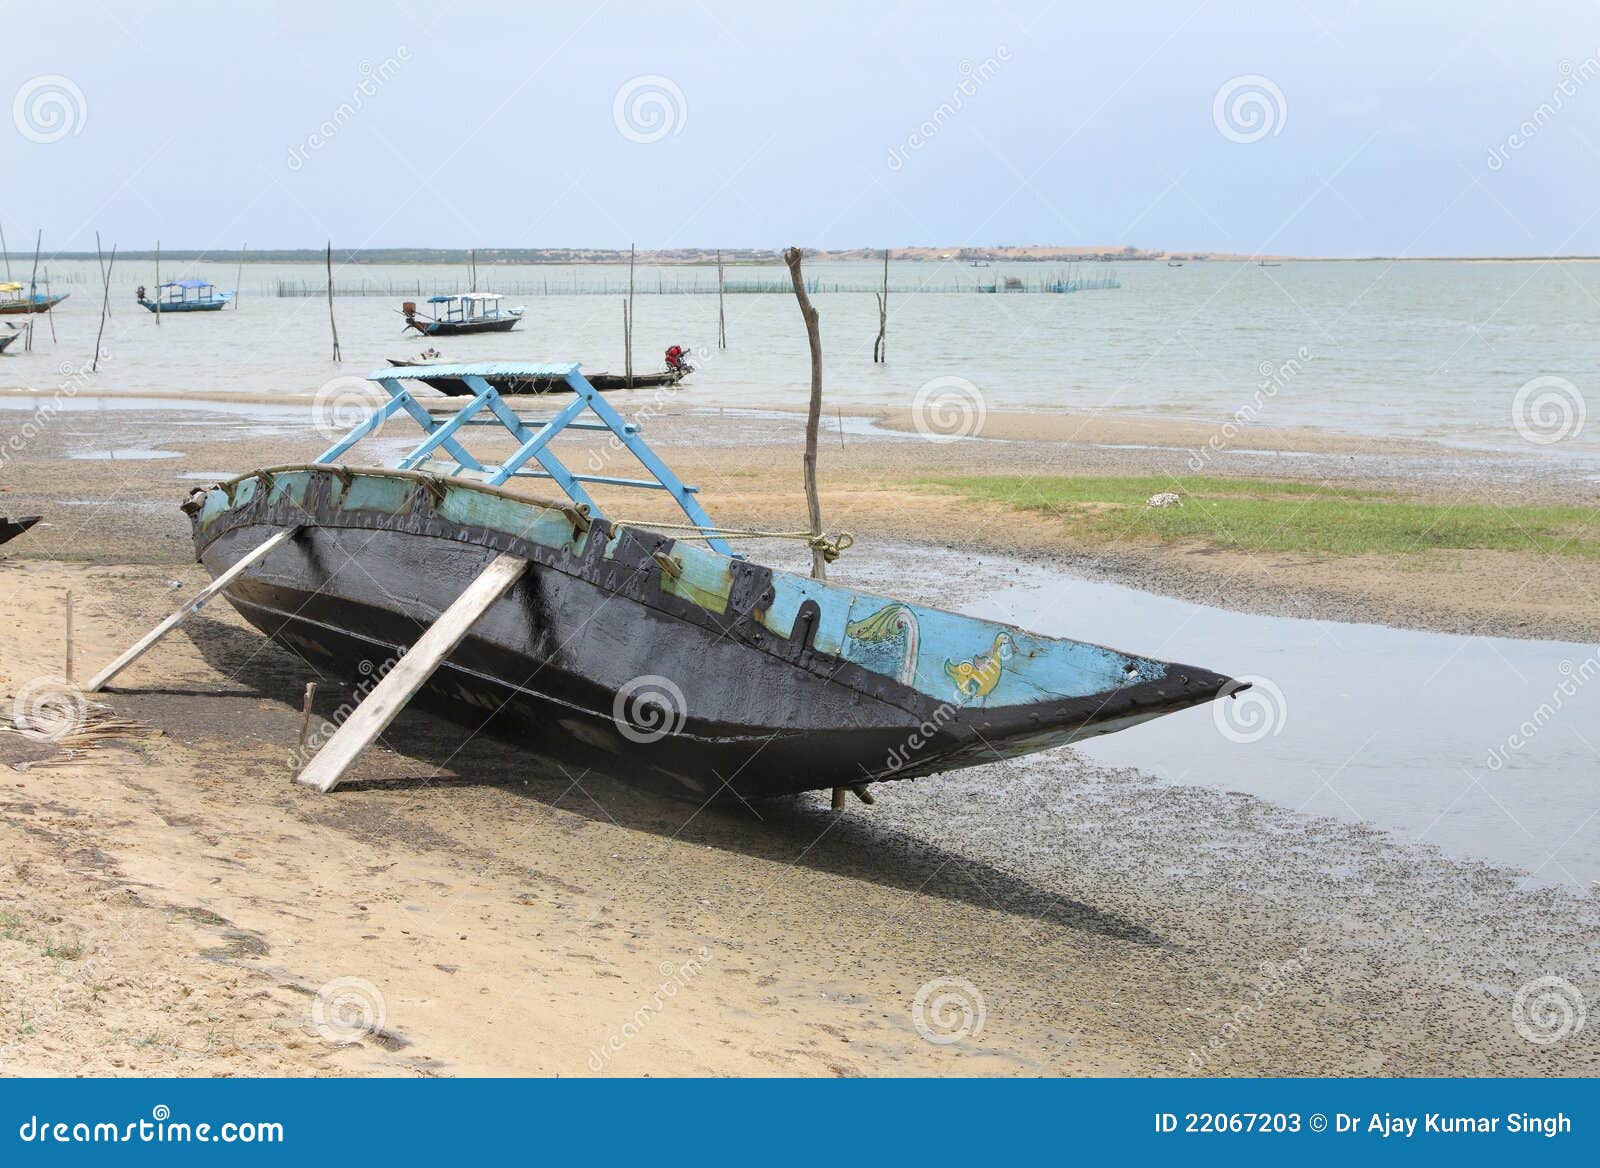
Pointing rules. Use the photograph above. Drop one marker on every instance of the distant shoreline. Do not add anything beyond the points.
(737, 257)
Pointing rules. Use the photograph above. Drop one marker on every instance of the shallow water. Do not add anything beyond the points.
(1416, 349)
(1488, 748)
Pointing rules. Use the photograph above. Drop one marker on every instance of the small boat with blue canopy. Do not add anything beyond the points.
(186, 296)
(653, 651)
(460, 315)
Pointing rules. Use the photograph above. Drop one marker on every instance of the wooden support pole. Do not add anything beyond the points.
(722, 316)
(332, 324)
(146, 642)
(7, 252)
(880, 347)
(819, 565)
(33, 281)
(838, 798)
(158, 283)
(105, 302)
(390, 695)
(68, 673)
(305, 729)
(629, 339)
(238, 276)
(860, 791)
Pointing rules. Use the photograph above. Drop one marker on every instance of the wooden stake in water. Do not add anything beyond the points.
(880, 347)
(105, 302)
(722, 318)
(7, 252)
(629, 339)
(33, 284)
(332, 324)
(158, 283)
(238, 275)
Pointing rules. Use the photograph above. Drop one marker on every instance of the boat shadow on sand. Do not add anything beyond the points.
(791, 830)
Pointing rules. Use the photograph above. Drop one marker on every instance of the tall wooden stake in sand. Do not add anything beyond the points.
(722, 317)
(819, 565)
(332, 324)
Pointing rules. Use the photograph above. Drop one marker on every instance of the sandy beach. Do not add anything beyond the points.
(174, 905)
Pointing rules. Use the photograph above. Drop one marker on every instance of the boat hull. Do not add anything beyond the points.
(727, 679)
(512, 386)
(166, 309)
(448, 328)
(6, 339)
(37, 304)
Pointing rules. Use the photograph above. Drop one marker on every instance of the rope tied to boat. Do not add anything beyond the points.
(816, 540)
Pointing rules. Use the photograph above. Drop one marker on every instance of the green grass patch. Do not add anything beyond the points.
(1263, 515)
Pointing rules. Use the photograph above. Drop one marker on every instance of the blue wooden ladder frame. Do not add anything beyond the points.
(533, 435)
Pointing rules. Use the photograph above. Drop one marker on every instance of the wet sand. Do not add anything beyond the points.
(172, 904)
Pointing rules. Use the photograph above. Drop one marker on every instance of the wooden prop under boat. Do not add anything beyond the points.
(631, 651)
(512, 384)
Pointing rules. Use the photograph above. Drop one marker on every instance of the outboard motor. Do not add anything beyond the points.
(678, 360)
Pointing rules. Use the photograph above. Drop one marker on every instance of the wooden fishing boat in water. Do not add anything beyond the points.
(470, 312)
(186, 296)
(653, 656)
(15, 302)
(510, 383)
(7, 335)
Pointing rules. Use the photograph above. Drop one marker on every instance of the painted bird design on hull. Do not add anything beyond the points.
(977, 677)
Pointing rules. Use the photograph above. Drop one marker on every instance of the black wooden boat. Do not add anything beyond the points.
(518, 384)
(11, 528)
(463, 315)
(632, 651)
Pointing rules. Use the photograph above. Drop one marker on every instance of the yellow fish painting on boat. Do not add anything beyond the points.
(976, 677)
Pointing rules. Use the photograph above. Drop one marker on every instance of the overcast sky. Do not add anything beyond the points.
(1297, 127)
